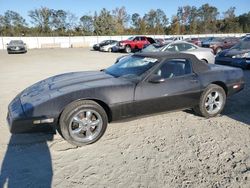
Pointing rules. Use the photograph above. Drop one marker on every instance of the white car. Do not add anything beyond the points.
(204, 54)
(108, 48)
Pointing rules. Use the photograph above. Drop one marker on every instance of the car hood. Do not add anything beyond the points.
(66, 83)
(232, 52)
(125, 41)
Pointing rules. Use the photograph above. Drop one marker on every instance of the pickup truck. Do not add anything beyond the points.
(133, 44)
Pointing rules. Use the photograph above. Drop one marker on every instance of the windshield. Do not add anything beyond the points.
(243, 45)
(104, 42)
(152, 48)
(131, 38)
(16, 42)
(131, 66)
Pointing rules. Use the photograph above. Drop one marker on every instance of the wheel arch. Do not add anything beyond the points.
(100, 102)
(221, 84)
(205, 60)
(129, 45)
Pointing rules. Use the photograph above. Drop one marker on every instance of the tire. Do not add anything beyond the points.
(210, 105)
(109, 50)
(127, 49)
(218, 50)
(83, 122)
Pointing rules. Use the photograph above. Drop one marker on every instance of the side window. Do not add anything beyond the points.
(189, 47)
(171, 48)
(174, 68)
(180, 47)
(143, 38)
(137, 39)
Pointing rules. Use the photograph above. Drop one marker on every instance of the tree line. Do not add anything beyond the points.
(187, 20)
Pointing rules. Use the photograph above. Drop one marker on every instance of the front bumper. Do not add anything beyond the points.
(96, 48)
(104, 49)
(19, 123)
(118, 48)
(15, 51)
(236, 62)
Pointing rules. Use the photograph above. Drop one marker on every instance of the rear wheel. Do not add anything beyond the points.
(212, 101)
(127, 49)
(83, 122)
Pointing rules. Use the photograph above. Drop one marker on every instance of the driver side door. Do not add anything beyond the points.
(179, 88)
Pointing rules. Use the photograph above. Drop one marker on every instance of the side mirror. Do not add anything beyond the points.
(156, 79)
(7, 43)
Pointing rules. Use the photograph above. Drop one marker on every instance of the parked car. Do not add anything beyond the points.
(171, 39)
(203, 54)
(219, 44)
(160, 41)
(246, 35)
(195, 41)
(16, 46)
(205, 41)
(108, 48)
(238, 55)
(133, 44)
(80, 104)
(103, 43)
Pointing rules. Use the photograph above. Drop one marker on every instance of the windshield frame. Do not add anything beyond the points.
(137, 77)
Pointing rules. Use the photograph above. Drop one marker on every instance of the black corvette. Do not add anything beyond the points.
(80, 104)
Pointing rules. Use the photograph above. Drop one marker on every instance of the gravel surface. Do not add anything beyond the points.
(177, 149)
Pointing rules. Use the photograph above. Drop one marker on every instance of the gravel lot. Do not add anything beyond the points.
(176, 149)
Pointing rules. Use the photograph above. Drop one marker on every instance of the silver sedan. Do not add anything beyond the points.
(204, 54)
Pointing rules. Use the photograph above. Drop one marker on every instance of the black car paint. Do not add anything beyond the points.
(120, 97)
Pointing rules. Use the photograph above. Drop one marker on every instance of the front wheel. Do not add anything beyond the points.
(83, 122)
(212, 101)
(127, 49)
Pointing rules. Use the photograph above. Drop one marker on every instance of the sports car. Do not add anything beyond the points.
(81, 104)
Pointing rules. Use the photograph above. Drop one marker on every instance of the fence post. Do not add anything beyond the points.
(37, 42)
(2, 43)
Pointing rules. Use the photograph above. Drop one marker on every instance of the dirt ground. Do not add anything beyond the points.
(177, 149)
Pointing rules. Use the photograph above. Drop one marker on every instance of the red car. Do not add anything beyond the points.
(134, 43)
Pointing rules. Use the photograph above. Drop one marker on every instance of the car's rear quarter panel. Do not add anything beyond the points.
(223, 75)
